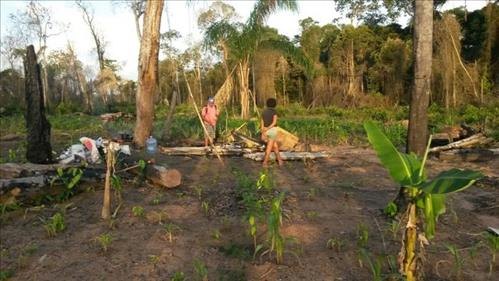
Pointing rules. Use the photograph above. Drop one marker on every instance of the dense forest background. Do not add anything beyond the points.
(345, 66)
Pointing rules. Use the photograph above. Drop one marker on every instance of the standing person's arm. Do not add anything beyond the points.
(203, 113)
(274, 122)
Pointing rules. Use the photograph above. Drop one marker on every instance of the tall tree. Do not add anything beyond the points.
(36, 23)
(100, 44)
(148, 71)
(423, 49)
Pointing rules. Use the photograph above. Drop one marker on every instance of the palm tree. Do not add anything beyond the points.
(240, 42)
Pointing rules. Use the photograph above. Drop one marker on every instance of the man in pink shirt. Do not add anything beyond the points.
(209, 113)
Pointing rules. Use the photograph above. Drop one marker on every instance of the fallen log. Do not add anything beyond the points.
(468, 155)
(106, 117)
(202, 151)
(258, 156)
(477, 139)
(16, 170)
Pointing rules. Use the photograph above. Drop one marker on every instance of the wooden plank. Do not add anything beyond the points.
(258, 156)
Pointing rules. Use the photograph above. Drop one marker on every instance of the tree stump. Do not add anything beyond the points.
(38, 127)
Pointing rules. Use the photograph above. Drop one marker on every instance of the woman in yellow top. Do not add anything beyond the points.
(268, 127)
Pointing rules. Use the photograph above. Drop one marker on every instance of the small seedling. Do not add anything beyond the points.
(201, 270)
(104, 240)
(153, 259)
(206, 207)
(335, 244)
(170, 228)
(216, 234)
(362, 235)
(493, 245)
(312, 193)
(458, 263)
(156, 200)
(374, 264)
(55, 225)
(178, 276)
(138, 211)
(312, 215)
(199, 191)
(390, 210)
(394, 227)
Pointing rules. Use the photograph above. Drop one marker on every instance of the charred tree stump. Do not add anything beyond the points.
(38, 127)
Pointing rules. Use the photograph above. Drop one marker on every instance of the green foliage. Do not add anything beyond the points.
(362, 235)
(6, 274)
(54, 225)
(408, 170)
(493, 245)
(178, 276)
(138, 211)
(104, 241)
(374, 264)
(274, 222)
(201, 270)
(335, 243)
(458, 261)
(69, 178)
(390, 210)
(170, 229)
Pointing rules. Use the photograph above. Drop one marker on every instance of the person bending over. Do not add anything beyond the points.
(268, 127)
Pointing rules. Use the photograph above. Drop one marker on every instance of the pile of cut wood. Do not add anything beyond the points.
(250, 148)
(463, 143)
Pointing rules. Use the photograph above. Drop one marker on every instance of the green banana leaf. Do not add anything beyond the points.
(403, 168)
(451, 181)
(433, 206)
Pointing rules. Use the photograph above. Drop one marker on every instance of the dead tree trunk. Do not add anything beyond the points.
(38, 127)
(148, 71)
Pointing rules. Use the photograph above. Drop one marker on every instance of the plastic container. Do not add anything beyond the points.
(151, 145)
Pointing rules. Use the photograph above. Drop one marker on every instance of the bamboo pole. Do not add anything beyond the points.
(201, 120)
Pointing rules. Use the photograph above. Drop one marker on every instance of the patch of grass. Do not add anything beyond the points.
(335, 244)
(138, 211)
(104, 241)
(201, 270)
(362, 235)
(170, 229)
(178, 276)
(6, 274)
(54, 225)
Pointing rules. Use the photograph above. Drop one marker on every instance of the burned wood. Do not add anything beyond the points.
(38, 148)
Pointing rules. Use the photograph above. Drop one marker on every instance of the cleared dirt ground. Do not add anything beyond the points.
(329, 198)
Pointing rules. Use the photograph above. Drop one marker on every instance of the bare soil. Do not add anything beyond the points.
(329, 198)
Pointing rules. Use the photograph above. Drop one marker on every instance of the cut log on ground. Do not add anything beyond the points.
(106, 117)
(468, 155)
(258, 156)
(477, 139)
(162, 176)
(16, 170)
(286, 140)
(202, 151)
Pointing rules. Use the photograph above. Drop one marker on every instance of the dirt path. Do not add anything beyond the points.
(326, 199)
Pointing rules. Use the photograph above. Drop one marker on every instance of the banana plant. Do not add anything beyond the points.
(426, 197)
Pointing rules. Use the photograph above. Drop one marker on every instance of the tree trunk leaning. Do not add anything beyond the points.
(148, 71)
(418, 118)
(39, 149)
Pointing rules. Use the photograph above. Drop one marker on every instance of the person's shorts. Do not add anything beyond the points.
(271, 133)
(211, 130)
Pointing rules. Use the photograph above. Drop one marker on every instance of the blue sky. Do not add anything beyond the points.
(118, 27)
